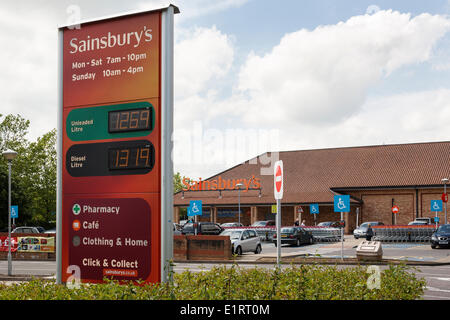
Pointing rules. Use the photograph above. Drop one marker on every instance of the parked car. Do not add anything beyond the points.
(28, 230)
(418, 223)
(361, 231)
(330, 224)
(183, 222)
(243, 240)
(266, 223)
(441, 238)
(231, 224)
(203, 228)
(426, 220)
(176, 229)
(294, 236)
(53, 230)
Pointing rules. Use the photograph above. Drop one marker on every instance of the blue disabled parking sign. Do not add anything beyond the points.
(14, 212)
(342, 203)
(314, 208)
(436, 205)
(195, 208)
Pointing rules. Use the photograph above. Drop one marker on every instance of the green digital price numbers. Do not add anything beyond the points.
(135, 157)
(129, 120)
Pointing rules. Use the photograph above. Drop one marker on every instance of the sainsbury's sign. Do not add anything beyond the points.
(221, 184)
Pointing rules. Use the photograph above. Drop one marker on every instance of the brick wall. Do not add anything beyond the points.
(201, 248)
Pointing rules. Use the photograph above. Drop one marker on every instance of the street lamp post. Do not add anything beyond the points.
(445, 181)
(239, 185)
(9, 155)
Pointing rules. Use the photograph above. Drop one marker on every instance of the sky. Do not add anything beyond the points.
(254, 76)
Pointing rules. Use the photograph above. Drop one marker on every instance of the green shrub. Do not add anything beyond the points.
(305, 282)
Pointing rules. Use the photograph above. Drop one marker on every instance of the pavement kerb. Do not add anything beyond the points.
(325, 261)
(4, 277)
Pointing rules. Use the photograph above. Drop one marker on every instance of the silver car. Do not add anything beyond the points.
(243, 240)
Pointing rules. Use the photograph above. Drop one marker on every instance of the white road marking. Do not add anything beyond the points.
(441, 279)
(436, 297)
(437, 289)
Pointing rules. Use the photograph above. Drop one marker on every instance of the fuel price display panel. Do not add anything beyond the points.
(111, 149)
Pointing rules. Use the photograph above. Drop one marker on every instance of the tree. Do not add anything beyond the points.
(177, 187)
(178, 182)
(13, 130)
(33, 178)
(40, 179)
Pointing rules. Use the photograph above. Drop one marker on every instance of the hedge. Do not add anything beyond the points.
(305, 282)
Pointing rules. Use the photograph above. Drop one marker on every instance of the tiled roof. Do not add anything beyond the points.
(310, 174)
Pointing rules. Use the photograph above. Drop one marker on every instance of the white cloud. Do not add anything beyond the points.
(323, 75)
(400, 118)
(201, 55)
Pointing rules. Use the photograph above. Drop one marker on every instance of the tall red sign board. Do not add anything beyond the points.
(111, 149)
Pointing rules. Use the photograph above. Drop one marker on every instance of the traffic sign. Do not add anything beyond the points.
(274, 208)
(278, 180)
(436, 205)
(314, 208)
(342, 203)
(436, 219)
(195, 208)
(444, 197)
(14, 212)
(395, 209)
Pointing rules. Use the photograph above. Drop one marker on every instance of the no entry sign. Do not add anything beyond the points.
(395, 209)
(278, 180)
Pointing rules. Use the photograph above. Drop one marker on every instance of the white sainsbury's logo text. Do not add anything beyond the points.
(111, 40)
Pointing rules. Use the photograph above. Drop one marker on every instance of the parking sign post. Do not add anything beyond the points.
(342, 204)
(436, 206)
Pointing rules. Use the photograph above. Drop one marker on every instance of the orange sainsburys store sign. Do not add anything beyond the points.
(221, 184)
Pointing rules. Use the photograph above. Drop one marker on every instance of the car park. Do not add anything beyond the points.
(265, 223)
(243, 240)
(231, 225)
(294, 236)
(203, 228)
(361, 231)
(441, 237)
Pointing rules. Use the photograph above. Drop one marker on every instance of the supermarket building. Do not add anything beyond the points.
(376, 178)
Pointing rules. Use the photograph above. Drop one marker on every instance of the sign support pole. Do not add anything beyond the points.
(278, 222)
(9, 220)
(445, 192)
(167, 44)
(59, 160)
(342, 237)
(435, 220)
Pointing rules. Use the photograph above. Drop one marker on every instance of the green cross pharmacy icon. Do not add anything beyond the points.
(76, 209)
